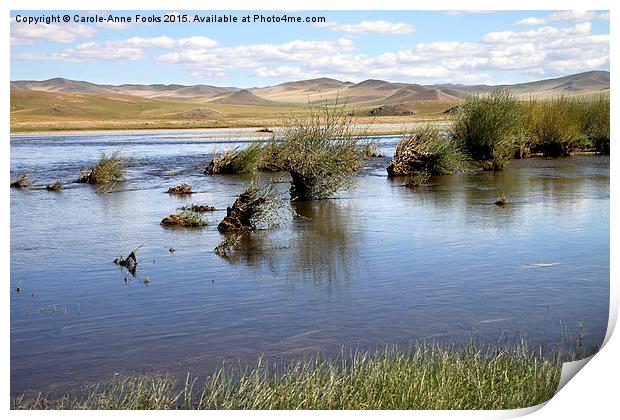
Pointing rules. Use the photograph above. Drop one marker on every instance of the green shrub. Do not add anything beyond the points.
(491, 128)
(273, 156)
(322, 152)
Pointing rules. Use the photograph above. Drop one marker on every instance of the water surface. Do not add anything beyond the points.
(380, 264)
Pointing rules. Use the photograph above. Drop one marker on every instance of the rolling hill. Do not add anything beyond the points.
(58, 102)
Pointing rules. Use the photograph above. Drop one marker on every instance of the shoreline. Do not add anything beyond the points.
(378, 127)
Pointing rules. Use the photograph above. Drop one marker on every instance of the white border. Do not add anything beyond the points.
(593, 394)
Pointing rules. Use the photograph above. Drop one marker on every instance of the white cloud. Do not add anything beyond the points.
(87, 52)
(129, 49)
(25, 34)
(566, 16)
(378, 27)
(535, 52)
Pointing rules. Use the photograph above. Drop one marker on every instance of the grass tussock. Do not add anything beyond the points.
(55, 186)
(198, 208)
(22, 181)
(237, 161)
(258, 207)
(371, 150)
(428, 377)
(181, 189)
(491, 128)
(427, 150)
(109, 169)
(185, 218)
(322, 152)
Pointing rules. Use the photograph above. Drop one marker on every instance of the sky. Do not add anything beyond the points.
(424, 47)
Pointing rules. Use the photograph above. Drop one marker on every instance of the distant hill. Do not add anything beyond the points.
(39, 102)
(581, 83)
(241, 97)
(61, 85)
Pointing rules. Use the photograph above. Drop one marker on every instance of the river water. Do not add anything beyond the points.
(380, 264)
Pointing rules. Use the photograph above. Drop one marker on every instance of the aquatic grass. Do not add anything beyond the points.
(595, 114)
(491, 128)
(229, 245)
(186, 218)
(427, 150)
(22, 181)
(322, 151)
(55, 186)
(198, 208)
(237, 161)
(424, 377)
(109, 169)
(273, 156)
(371, 150)
(556, 126)
(257, 207)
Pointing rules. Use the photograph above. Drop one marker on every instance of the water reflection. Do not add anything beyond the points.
(292, 253)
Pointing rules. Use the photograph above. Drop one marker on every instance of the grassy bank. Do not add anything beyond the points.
(427, 377)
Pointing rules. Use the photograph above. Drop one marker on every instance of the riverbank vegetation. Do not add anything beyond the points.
(424, 377)
(491, 130)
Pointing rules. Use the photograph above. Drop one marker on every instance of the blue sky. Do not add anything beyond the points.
(405, 46)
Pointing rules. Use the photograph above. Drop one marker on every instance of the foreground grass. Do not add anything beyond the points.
(428, 377)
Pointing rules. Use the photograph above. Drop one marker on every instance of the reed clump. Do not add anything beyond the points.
(424, 377)
(595, 114)
(491, 128)
(257, 207)
(426, 150)
(54, 186)
(557, 126)
(322, 152)
(108, 169)
(237, 161)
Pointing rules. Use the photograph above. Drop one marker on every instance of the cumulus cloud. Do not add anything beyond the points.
(567, 16)
(24, 34)
(87, 52)
(129, 49)
(545, 51)
(377, 27)
(531, 52)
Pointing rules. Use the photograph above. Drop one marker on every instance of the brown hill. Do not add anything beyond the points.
(241, 97)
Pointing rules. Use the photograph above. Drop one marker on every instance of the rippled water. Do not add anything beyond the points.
(379, 264)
